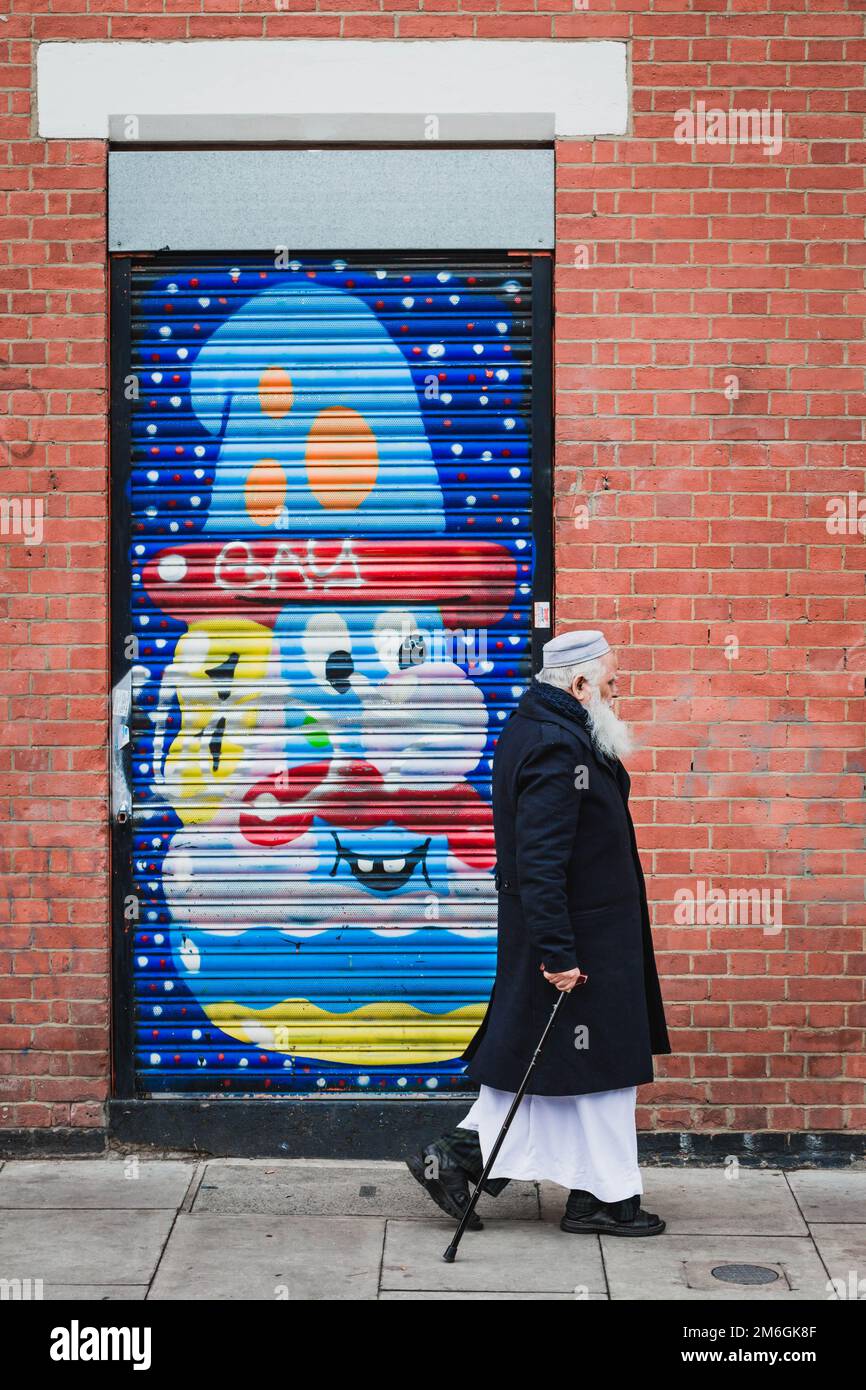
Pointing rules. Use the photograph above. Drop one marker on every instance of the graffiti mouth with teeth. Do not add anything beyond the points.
(383, 875)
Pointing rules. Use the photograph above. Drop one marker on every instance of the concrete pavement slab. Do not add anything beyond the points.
(94, 1293)
(842, 1247)
(506, 1257)
(292, 1187)
(678, 1267)
(104, 1183)
(428, 1295)
(704, 1201)
(305, 1229)
(250, 1256)
(837, 1194)
(83, 1247)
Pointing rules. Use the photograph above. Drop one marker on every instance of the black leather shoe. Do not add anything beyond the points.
(445, 1182)
(586, 1215)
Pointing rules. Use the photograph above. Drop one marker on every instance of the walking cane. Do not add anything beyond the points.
(451, 1252)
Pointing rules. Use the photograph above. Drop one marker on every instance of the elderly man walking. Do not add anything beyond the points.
(571, 900)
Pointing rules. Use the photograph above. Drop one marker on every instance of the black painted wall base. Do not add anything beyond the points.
(346, 1127)
(376, 1129)
(53, 1143)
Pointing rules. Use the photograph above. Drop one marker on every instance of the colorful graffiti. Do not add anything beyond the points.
(331, 583)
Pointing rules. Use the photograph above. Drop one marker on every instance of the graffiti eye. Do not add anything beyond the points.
(224, 674)
(413, 651)
(215, 747)
(339, 669)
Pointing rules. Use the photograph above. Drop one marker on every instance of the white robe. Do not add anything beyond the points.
(586, 1142)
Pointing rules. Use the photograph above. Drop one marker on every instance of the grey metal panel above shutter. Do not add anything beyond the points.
(251, 200)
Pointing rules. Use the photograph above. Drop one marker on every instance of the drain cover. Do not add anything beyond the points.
(366, 1191)
(745, 1274)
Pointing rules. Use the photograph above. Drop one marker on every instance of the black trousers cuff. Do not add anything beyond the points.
(462, 1145)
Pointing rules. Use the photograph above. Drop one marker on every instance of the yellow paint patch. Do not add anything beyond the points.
(218, 711)
(395, 1034)
(265, 491)
(342, 458)
(276, 392)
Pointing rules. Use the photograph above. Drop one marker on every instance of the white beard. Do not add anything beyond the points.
(609, 733)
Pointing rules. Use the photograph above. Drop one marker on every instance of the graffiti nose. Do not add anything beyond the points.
(295, 783)
(360, 771)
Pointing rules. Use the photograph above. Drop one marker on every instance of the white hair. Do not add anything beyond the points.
(563, 677)
(609, 733)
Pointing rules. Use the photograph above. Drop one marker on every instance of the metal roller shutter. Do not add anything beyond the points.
(330, 587)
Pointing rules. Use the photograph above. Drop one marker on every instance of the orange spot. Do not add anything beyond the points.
(276, 393)
(265, 491)
(342, 458)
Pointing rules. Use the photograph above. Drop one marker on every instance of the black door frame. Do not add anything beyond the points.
(348, 1124)
(120, 836)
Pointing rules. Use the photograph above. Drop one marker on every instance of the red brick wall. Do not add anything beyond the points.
(706, 521)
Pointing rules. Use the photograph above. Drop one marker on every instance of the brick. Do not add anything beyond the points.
(708, 519)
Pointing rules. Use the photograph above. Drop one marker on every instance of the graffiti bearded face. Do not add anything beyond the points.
(326, 762)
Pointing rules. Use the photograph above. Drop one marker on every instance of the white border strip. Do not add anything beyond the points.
(81, 85)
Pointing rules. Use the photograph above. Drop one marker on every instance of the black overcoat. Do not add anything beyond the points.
(571, 892)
